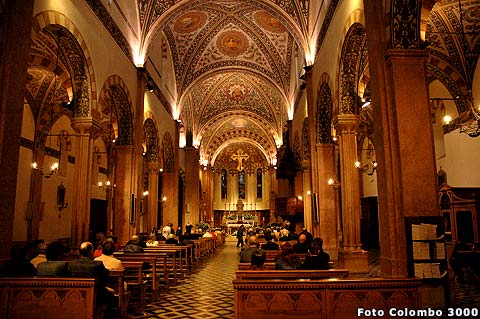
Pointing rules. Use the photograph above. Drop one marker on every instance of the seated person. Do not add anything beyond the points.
(247, 251)
(301, 247)
(133, 245)
(284, 235)
(269, 244)
(152, 242)
(54, 266)
(41, 255)
(258, 259)
(86, 267)
(171, 240)
(18, 264)
(110, 262)
(318, 260)
(287, 259)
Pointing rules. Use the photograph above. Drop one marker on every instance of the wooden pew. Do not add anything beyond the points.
(47, 297)
(116, 283)
(133, 276)
(266, 298)
(184, 256)
(271, 254)
(291, 274)
(158, 263)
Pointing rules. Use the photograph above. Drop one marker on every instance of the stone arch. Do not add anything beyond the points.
(75, 54)
(168, 153)
(115, 110)
(324, 115)
(151, 139)
(305, 140)
(353, 59)
(297, 151)
(405, 24)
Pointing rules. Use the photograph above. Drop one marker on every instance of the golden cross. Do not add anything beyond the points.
(240, 156)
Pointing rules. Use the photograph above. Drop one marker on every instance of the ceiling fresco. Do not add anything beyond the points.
(233, 66)
(454, 47)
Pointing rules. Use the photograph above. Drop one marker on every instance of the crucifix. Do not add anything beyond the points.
(240, 156)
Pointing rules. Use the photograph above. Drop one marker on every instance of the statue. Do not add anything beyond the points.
(240, 207)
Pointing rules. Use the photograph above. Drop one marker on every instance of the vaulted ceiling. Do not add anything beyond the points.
(235, 65)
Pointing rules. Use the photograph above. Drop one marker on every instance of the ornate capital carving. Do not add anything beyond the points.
(86, 126)
(346, 123)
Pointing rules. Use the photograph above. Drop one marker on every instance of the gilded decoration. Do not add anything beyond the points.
(168, 154)
(306, 140)
(190, 22)
(151, 140)
(266, 21)
(405, 28)
(232, 43)
(452, 56)
(324, 115)
(349, 67)
(122, 108)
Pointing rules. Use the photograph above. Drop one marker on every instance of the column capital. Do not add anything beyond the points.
(407, 55)
(153, 167)
(346, 122)
(86, 125)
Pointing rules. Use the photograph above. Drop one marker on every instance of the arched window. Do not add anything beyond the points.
(259, 183)
(241, 184)
(224, 183)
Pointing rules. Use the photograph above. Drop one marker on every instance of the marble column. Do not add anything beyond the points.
(85, 128)
(35, 196)
(353, 257)
(308, 217)
(192, 179)
(406, 175)
(152, 198)
(138, 139)
(123, 189)
(272, 173)
(328, 208)
(14, 46)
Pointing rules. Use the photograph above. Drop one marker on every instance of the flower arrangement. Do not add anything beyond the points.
(248, 216)
(203, 226)
(232, 217)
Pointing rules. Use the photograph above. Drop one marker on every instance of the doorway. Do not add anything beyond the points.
(98, 218)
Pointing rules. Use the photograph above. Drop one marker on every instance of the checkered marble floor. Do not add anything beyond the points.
(207, 293)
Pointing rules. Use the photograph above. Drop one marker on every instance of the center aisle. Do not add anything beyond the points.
(206, 293)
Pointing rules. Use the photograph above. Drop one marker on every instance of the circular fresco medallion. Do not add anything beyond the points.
(190, 22)
(269, 23)
(232, 43)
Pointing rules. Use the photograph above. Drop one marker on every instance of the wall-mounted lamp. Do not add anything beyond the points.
(145, 193)
(105, 186)
(164, 198)
(332, 182)
(53, 169)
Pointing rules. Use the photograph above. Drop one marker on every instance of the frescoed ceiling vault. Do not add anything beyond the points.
(234, 61)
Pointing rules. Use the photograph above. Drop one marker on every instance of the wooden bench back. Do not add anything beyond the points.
(291, 274)
(46, 297)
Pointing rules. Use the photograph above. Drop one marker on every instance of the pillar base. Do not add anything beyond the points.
(355, 261)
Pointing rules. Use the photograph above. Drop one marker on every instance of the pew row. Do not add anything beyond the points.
(291, 274)
(260, 298)
(42, 297)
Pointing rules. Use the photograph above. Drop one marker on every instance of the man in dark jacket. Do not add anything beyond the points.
(86, 267)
